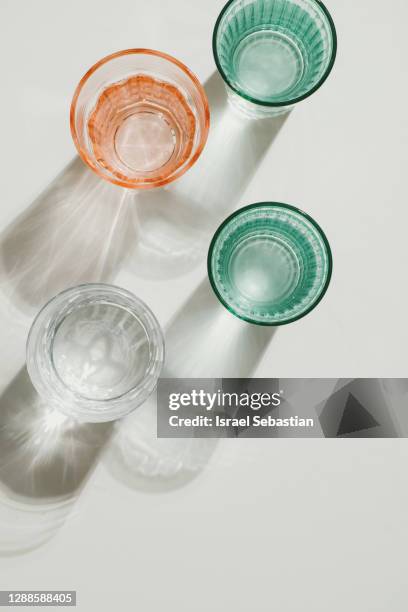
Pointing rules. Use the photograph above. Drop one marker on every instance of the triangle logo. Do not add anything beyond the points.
(355, 418)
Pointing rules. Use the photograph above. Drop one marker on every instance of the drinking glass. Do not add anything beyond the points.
(269, 264)
(140, 118)
(95, 352)
(273, 53)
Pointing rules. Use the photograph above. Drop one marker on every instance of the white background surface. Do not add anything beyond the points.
(262, 525)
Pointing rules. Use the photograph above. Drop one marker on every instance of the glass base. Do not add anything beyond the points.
(142, 128)
(268, 65)
(101, 351)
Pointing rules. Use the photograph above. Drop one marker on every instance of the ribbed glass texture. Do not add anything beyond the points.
(269, 264)
(274, 52)
(139, 118)
(95, 352)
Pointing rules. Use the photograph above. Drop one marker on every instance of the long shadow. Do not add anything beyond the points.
(176, 223)
(80, 229)
(45, 460)
(202, 341)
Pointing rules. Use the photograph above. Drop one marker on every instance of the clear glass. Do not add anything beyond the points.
(273, 53)
(270, 264)
(95, 352)
(140, 118)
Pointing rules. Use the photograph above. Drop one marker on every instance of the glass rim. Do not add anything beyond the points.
(289, 101)
(301, 213)
(87, 406)
(139, 51)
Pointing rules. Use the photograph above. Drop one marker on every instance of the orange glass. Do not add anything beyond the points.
(140, 118)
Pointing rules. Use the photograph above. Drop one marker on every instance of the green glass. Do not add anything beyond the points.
(269, 264)
(274, 53)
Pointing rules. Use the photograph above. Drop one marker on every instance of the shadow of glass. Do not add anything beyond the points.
(175, 223)
(45, 460)
(205, 341)
(202, 341)
(80, 229)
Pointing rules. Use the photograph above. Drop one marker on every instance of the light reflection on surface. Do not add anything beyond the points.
(80, 229)
(45, 459)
